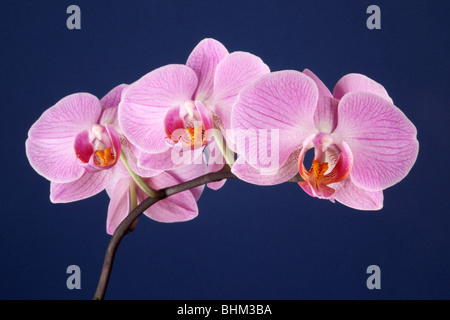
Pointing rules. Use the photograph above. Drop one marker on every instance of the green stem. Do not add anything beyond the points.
(138, 179)
(226, 152)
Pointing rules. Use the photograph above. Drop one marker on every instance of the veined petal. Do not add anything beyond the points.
(145, 103)
(203, 60)
(110, 103)
(382, 140)
(354, 197)
(54, 159)
(173, 158)
(131, 153)
(189, 172)
(282, 102)
(205, 115)
(87, 186)
(83, 147)
(358, 82)
(323, 89)
(233, 73)
(250, 174)
(50, 142)
(176, 208)
(68, 117)
(119, 204)
(325, 116)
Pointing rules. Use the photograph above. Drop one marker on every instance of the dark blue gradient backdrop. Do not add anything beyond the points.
(248, 242)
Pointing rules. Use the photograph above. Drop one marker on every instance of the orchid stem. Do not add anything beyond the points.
(138, 179)
(226, 152)
(130, 220)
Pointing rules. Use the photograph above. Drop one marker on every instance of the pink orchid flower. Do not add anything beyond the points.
(362, 143)
(175, 107)
(75, 145)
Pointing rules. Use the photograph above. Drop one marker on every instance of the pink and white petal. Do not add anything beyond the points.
(354, 197)
(119, 204)
(203, 60)
(113, 97)
(244, 171)
(131, 153)
(343, 163)
(233, 73)
(190, 172)
(358, 82)
(205, 114)
(68, 117)
(54, 159)
(173, 158)
(110, 103)
(145, 103)
(50, 142)
(87, 186)
(172, 123)
(323, 90)
(176, 208)
(325, 116)
(282, 102)
(83, 147)
(382, 140)
(217, 184)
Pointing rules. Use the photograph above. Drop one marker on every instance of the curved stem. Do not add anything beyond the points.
(137, 179)
(124, 226)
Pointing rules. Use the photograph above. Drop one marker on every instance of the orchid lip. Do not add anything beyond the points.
(189, 124)
(98, 149)
(331, 164)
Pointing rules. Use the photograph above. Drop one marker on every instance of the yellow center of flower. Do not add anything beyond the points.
(104, 158)
(317, 172)
(196, 135)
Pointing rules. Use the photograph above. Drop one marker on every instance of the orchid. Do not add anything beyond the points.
(362, 143)
(176, 108)
(153, 145)
(75, 145)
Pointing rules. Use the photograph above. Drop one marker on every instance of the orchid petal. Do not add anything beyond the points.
(53, 159)
(233, 73)
(354, 197)
(119, 204)
(188, 173)
(173, 158)
(203, 60)
(50, 142)
(358, 82)
(325, 116)
(282, 102)
(83, 146)
(176, 208)
(131, 153)
(205, 115)
(110, 103)
(382, 140)
(87, 186)
(244, 171)
(145, 103)
(323, 90)
(68, 117)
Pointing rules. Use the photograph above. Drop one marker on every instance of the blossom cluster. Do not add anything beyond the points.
(181, 121)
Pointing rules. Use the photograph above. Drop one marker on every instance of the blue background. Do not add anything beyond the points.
(248, 242)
